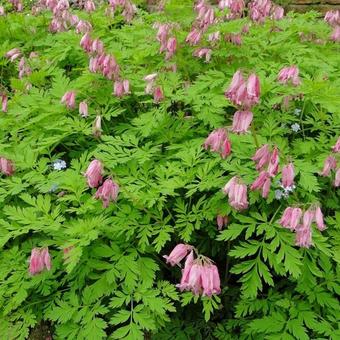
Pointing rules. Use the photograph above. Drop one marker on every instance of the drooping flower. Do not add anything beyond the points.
(291, 74)
(335, 36)
(237, 193)
(6, 166)
(194, 37)
(158, 95)
(86, 42)
(13, 54)
(221, 221)
(277, 12)
(170, 48)
(39, 260)
(97, 127)
(336, 147)
(319, 219)
(263, 182)
(213, 37)
(97, 46)
(108, 192)
(218, 141)
(259, 10)
(330, 164)
(303, 236)
(261, 157)
(83, 27)
(121, 88)
(150, 81)
(333, 17)
(184, 284)
(89, 6)
(210, 280)
(94, 174)
(178, 254)
(291, 218)
(2, 11)
(235, 39)
(242, 121)
(83, 109)
(69, 99)
(4, 103)
(203, 53)
(273, 167)
(288, 175)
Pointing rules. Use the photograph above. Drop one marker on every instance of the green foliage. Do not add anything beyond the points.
(113, 283)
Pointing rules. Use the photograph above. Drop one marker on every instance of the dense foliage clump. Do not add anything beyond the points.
(203, 133)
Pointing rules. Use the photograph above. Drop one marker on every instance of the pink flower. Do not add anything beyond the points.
(69, 99)
(194, 37)
(273, 167)
(237, 194)
(97, 46)
(178, 254)
(335, 36)
(262, 182)
(243, 93)
(158, 95)
(195, 278)
(4, 104)
(330, 164)
(277, 12)
(319, 219)
(242, 121)
(245, 29)
(83, 27)
(336, 147)
(83, 109)
(94, 174)
(222, 221)
(218, 141)
(89, 6)
(6, 166)
(97, 127)
(210, 280)
(86, 42)
(235, 39)
(121, 88)
(214, 36)
(108, 192)
(262, 157)
(333, 17)
(337, 178)
(303, 237)
(308, 218)
(184, 284)
(39, 260)
(13, 54)
(259, 10)
(288, 175)
(203, 53)
(253, 88)
(171, 48)
(2, 11)
(291, 218)
(287, 74)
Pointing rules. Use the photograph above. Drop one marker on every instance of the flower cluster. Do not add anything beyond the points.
(108, 191)
(333, 19)
(218, 141)
(291, 219)
(289, 74)
(199, 275)
(259, 10)
(237, 193)
(236, 8)
(244, 94)
(168, 44)
(128, 8)
(39, 260)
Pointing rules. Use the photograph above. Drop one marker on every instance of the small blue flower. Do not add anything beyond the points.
(59, 164)
(54, 187)
(297, 112)
(295, 127)
(278, 194)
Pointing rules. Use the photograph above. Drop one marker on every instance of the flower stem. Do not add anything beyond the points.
(253, 133)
